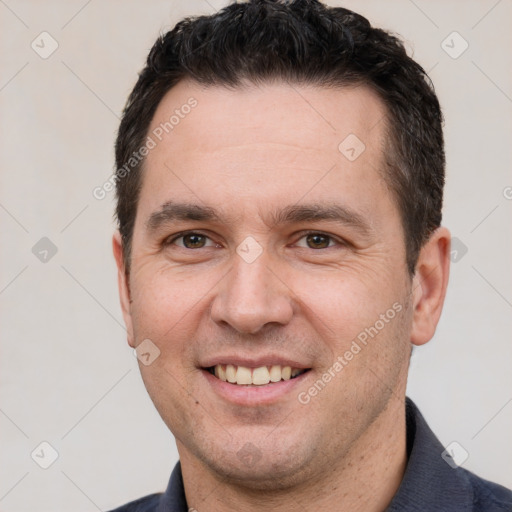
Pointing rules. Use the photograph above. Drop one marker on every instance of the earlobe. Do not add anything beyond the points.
(429, 285)
(124, 287)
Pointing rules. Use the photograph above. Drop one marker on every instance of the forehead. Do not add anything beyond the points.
(284, 112)
(263, 143)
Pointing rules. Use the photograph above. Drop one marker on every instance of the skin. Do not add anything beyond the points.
(248, 152)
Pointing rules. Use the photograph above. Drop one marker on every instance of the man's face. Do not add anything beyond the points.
(292, 249)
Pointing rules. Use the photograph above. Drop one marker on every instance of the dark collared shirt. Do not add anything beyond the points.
(430, 483)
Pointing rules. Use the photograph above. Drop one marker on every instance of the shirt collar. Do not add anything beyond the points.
(173, 500)
(429, 483)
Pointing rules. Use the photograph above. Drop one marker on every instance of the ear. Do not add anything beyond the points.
(429, 285)
(124, 287)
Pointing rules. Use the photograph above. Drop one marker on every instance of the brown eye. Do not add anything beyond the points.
(194, 241)
(190, 240)
(318, 241)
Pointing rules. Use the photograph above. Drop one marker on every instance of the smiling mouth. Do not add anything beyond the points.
(261, 376)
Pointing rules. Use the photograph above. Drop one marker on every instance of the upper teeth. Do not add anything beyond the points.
(256, 376)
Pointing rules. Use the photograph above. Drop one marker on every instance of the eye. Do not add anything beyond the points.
(190, 240)
(315, 240)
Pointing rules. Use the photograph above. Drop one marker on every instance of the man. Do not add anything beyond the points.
(280, 250)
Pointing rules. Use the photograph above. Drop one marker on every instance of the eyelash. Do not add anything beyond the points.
(177, 236)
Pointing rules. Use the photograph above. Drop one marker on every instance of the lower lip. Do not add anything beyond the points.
(253, 395)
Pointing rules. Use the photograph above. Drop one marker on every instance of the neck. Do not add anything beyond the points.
(365, 478)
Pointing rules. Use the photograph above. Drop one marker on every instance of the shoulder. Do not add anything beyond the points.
(172, 500)
(434, 482)
(146, 504)
(488, 496)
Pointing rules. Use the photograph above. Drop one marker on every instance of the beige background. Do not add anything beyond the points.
(67, 374)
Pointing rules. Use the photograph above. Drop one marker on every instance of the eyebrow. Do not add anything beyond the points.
(177, 211)
(174, 211)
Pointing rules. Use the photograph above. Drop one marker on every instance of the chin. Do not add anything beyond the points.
(271, 467)
(273, 475)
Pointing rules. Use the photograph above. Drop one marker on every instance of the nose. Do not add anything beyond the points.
(252, 296)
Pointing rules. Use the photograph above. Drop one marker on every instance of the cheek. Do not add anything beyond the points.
(341, 305)
(166, 306)
(167, 309)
